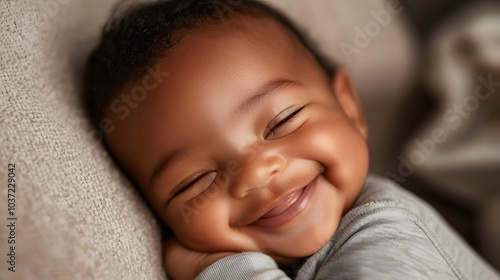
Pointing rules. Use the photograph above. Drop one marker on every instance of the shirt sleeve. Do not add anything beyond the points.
(244, 266)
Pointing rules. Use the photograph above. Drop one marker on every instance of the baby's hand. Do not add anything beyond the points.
(185, 264)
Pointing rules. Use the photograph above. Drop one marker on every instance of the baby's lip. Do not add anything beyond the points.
(283, 204)
(294, 202)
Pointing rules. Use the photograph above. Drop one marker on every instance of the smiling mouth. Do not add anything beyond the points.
(287, 208)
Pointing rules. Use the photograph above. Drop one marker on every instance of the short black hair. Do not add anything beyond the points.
(137, 35)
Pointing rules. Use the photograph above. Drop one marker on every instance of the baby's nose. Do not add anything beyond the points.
(258, 171)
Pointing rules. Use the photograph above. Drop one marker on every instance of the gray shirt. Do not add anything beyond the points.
(389, 233)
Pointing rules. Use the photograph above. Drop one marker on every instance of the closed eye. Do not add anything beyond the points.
(207, 178)
(281, 122)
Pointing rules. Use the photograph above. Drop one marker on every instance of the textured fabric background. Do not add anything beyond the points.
(78, 216)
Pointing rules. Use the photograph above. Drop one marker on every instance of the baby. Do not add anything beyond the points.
(251, 149)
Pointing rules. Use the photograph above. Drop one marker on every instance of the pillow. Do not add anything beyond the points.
(77, 216)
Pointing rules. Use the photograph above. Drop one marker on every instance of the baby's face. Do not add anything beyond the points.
(246, 145)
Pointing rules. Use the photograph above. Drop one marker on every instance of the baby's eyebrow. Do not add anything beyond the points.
(263, 92)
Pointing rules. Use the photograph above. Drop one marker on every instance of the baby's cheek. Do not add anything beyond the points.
(324, 144)
(343, 152)
(205, 228)
(353, 165)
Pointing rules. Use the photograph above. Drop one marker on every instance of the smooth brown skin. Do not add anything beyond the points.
(198, 108)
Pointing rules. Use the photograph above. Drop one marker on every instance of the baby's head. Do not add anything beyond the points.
(237, 132)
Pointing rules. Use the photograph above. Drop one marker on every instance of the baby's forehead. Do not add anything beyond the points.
(259, 30)
(238, 47)
(238, 53)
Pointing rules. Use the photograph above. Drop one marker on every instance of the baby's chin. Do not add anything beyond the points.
(297, 254)
(285, 261)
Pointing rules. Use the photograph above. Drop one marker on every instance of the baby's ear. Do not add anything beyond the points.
(348, 100)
